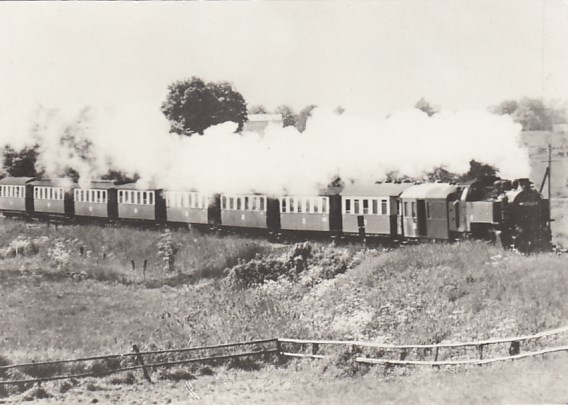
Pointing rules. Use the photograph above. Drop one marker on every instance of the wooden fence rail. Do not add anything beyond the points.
(278, 349)
(140, 366)
(429, 346)
(134, 354)
(460, 362)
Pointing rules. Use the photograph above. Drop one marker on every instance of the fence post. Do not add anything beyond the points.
(140, 361)
(315, 348)
(515, 348)
(279, 350)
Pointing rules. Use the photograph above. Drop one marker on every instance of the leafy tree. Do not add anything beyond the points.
(257, 109)
(302, 118)
(477, 170)
(425, 106)
(21, 163)
(193, 105)
(532, 113)
(288, 115)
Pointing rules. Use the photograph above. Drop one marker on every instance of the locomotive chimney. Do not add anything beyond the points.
(524, 183)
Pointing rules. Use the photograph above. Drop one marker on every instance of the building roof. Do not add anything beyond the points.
(429, 190)
(379, 189)
(264, 117)
(16, 181)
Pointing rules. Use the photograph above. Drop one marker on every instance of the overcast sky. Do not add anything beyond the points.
(370, 57)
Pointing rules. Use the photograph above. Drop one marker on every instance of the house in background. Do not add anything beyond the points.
(258, 122)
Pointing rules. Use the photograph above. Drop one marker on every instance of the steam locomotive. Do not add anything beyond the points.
(511, 213)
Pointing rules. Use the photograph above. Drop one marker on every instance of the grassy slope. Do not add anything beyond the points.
(418, 294)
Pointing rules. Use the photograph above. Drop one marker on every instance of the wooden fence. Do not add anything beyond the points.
(283, 348)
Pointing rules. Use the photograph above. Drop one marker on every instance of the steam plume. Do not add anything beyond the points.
(135, 139)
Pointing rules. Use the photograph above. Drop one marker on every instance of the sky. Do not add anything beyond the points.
(371, 57)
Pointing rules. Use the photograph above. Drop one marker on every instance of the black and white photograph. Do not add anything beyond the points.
(284, 202)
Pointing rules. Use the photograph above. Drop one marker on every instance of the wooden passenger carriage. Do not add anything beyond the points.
(192, 207)
(16, 196)
(253, 211)
(430, 211)
(372, 210)
(142, 205)
(54, 197)
(99, 200)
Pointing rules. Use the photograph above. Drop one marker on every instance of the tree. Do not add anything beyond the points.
(258, 109)
(478, 170)
(302, 118)
(22, 163)
(532, 113)
(193, 105)
(425, 106)
(288, 115)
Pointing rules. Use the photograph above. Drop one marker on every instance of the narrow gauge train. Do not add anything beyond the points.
(511, 213)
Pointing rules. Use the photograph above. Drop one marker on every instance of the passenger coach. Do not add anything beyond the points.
(372, 210)
(16, 196)
(142, 205)
(253, 211)
(99, 200)
(54, 197)
(192, 207)
(430, 211)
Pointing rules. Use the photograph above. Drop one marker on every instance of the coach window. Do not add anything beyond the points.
(238, 202)
(317, 203)
(151, 197)
(356, 207)
(405, 211)
(283, 204)
(99, 196)
(413, 209)
(308, 205)
(292, 208)
(300, 205)
(384, 207)
(224, 203)
(247, 206)
(428, 213)
(365, 207)
(348, 206)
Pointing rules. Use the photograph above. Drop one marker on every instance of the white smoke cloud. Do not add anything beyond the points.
(135, 139)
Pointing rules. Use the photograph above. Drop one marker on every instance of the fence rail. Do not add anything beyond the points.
(279, 350)
(429, 346)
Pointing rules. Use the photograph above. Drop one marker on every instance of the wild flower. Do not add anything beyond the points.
(60, 254)
(21, 246)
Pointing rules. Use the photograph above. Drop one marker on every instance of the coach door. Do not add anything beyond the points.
(421, 213)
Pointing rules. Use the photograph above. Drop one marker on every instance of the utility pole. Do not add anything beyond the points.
(549, 172)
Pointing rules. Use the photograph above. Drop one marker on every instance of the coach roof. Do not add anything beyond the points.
(379, 189)
(16, 181)
(429, 190)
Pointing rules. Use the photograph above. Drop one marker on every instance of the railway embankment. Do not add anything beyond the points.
(74, 291)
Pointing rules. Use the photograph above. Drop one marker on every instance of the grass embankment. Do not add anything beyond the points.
(93, 304)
